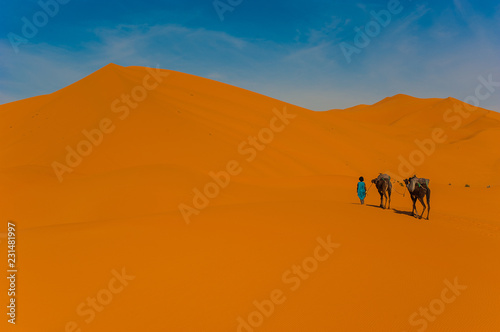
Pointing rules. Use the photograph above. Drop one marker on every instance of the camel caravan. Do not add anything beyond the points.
(417, 187)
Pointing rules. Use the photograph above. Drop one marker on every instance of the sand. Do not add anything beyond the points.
(199, 206)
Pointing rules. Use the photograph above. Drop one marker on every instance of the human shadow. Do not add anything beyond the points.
(370, 205)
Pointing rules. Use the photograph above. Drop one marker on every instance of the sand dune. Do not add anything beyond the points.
(95, 176)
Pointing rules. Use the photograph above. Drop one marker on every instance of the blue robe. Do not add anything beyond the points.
(361, 190)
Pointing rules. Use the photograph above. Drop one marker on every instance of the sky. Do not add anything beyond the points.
(316, 54)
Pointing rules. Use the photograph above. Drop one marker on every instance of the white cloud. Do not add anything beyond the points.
(415, 15)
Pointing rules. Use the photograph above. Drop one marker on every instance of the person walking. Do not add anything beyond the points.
(361, 190)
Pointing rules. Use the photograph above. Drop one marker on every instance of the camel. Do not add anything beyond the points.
(419, 188)
(384, 187)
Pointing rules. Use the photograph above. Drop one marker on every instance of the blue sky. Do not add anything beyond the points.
(290, 50)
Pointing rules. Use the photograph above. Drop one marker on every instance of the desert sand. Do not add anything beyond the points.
(184, 204)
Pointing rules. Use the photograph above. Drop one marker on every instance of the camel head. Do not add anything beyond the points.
(374, 181)
(410, 184)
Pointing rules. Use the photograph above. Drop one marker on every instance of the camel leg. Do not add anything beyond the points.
(389, 200)
(421, 200)
(414, 211)
(381, 200)
(428, 202)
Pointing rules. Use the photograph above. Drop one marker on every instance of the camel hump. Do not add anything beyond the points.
(385, 177)
(423, 181)
(417, 181)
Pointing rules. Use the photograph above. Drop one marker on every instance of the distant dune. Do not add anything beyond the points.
(209, 195)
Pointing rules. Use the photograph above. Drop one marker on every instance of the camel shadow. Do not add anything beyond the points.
(403, 212)
(406, 213)
(376, 206)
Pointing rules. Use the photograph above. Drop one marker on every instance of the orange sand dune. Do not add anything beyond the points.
(152, 200)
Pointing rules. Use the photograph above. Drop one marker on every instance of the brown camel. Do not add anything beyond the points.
(384, 187)
(419, 188)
